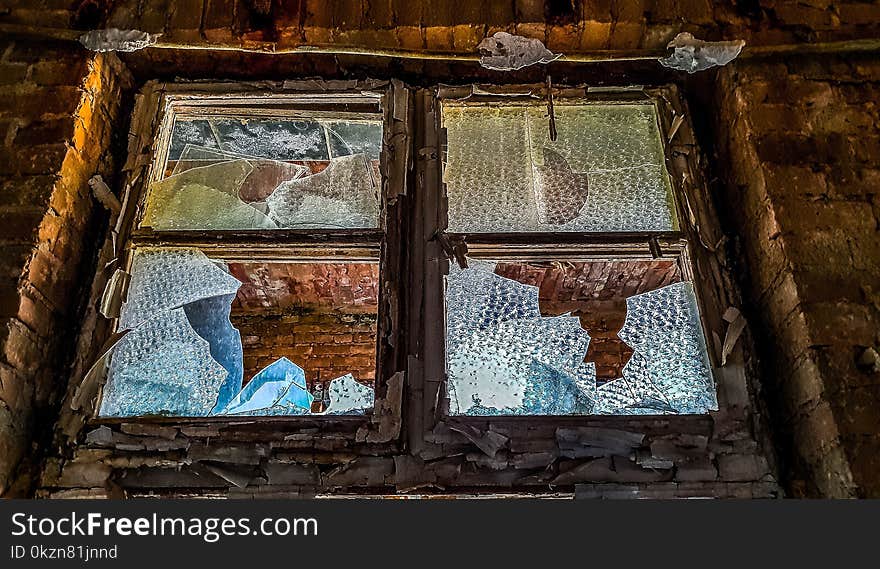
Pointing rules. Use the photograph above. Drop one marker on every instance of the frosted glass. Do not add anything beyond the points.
(162, 368)
(165, 278)
(266, 138)
(355, 138)
(348, 397)
(344, 195)
(669, 370)
(301, 139)
(605, 171)
(504, 358)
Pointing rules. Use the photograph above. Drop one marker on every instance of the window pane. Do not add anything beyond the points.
(229, 173)
(604, 172)
(209, 338)
(602, 337)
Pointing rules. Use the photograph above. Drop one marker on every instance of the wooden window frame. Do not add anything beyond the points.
(156, 108)
(696, 245)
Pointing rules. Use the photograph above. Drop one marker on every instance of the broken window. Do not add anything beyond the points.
(213, 338)
(604, 172)
(221, 323)
(310, 172)
(602, 322)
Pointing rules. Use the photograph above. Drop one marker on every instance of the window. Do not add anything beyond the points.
(265, 274)
(253, 277)
(575, 296)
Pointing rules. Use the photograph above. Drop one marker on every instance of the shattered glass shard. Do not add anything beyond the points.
(504, 368)
(348, 138)
(266, 176)
(559, 192)
(195, 156)
(344, 195)
(189, 207)
(259, 183)
(348, 397)
(166, 278)
(507, 52)
(209, 317)
(478, 298)
(204, 198)
(670, 367)
(278, 389)
(162, 368)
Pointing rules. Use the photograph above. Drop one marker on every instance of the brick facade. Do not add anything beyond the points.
(803, 157)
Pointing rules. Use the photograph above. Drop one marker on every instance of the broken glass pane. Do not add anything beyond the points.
(279, 389)
(604, 172)
(189, 314)
(344, 196)
(348, 397)
(165, 278)
(505, 356)
(163, 367)
(231, 173)
(259, 183)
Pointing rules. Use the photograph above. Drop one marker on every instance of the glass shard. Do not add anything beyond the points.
(521, 366)
(209, 317)
(204, 198)
(265, 176)
(504, 174)
(503, 357)
(348, 397)
(692, 55)
(344, 196)
(670, 369)
(194, 156)
(164, 278)
(162, 368)
(348, 138)
(279, 389)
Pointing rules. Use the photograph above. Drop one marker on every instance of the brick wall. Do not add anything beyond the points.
(802, 142)
(459, 26)
(57, 105)
(325, 345)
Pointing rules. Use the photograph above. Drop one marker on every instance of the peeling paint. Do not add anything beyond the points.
(507, 52)
(114, 39)
(694, 55)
